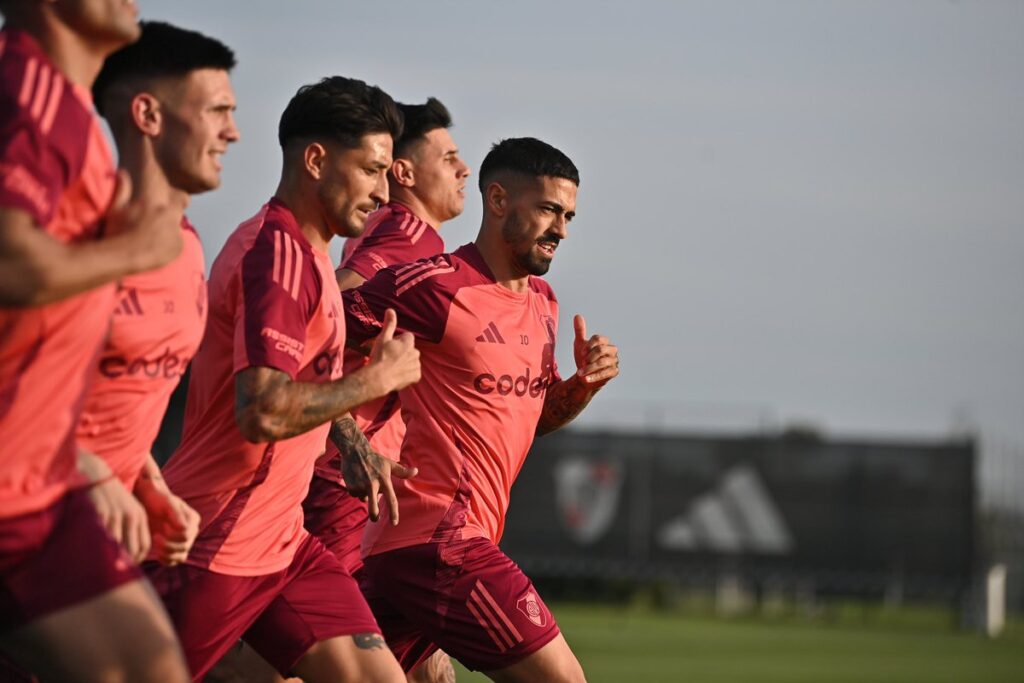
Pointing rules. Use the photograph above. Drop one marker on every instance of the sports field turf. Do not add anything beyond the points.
(638, 645)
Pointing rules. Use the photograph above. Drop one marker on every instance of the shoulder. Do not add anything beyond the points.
(394, 236)
(443, 274)
(271, 262)
(193, 244)
(540, 287)
(36, 97)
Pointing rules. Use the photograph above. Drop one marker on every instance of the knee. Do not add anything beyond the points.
(436, 669)
(167, 667)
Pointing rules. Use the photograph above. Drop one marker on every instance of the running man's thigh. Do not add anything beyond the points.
(319, 602)
(337, 518)
(553, 663)
(468, 598)
(72, 604)
(122, 635)
(57, 558)
(211, 611)
(361, 657)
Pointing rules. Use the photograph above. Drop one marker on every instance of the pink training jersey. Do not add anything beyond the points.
(394, 235)
(56, 166)
(274, 304)
(157, 325)
(487, 357)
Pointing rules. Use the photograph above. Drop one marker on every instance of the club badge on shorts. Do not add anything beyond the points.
(528, 605)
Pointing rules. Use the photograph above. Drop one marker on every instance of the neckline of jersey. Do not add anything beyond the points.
(471, 255)
(292, 226)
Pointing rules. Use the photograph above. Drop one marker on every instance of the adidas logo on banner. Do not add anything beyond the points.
(738, 516)
(491, 335)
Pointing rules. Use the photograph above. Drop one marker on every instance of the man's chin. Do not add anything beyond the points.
(353, 228)
(536, 266)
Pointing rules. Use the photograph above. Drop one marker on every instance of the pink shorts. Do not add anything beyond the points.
(466, 597)
(56, 558)
(281, 615)
(337, 518)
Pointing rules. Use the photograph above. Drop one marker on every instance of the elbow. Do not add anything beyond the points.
(544, 427)
(24, 287)
(256, 426)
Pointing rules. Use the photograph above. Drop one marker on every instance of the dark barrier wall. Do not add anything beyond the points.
(849, 517)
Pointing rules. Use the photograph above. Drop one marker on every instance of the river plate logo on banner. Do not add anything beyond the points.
(587, 491)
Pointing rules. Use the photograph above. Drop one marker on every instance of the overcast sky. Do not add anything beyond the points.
(789, 211)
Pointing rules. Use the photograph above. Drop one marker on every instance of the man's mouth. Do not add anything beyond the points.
(548, 246)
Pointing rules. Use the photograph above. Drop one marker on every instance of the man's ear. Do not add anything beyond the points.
(146, 114)
(314, 158)
(402, 172)
(496, 199)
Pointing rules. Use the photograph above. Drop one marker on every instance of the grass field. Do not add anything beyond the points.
(640, 645)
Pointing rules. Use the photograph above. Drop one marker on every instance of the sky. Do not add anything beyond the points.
(801, 212)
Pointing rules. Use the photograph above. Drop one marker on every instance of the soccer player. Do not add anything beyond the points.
(171, 87)
(485, 325)
(427, 183)
(100, 621)
(266, 385)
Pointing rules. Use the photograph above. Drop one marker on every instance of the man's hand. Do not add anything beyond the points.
(173, 525)
(597, 363)
(597, 359)
(394, 361)
(123, 516)
(119, 512)
(367, 474)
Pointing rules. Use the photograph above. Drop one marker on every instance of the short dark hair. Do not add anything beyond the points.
(529, 157)
(420, 119)
(341, 110)
(161, 51)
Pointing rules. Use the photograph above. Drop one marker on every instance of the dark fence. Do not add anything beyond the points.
(855, 518)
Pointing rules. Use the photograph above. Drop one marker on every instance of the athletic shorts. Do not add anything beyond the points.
(281, 615)
(337, 518)
(465, 597)
(56, 558)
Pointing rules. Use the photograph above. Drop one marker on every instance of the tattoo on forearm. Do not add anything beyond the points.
(349, 439)
(358, 459)
(562, 403)
(285, 408)
(369, 641)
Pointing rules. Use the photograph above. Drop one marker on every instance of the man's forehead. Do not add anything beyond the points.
(206, 82)
(373, 148)
(557, 189)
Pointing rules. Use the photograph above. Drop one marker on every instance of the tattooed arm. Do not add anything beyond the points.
(597, 362)
(562, 403)
(366, 472)
(271, 406)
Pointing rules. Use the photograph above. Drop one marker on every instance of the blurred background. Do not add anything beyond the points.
(802, 222)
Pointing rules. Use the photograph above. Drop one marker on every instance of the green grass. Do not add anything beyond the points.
(637, 644)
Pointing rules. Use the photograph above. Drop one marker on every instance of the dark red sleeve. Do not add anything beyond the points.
(281, 289)
(550, 324)
(421, 294)
(390, 245)
(33, 171)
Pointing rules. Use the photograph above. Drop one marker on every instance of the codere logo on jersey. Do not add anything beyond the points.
(505, 385)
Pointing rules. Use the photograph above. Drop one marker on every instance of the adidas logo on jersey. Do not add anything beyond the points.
(491, 335)
(129, 304)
